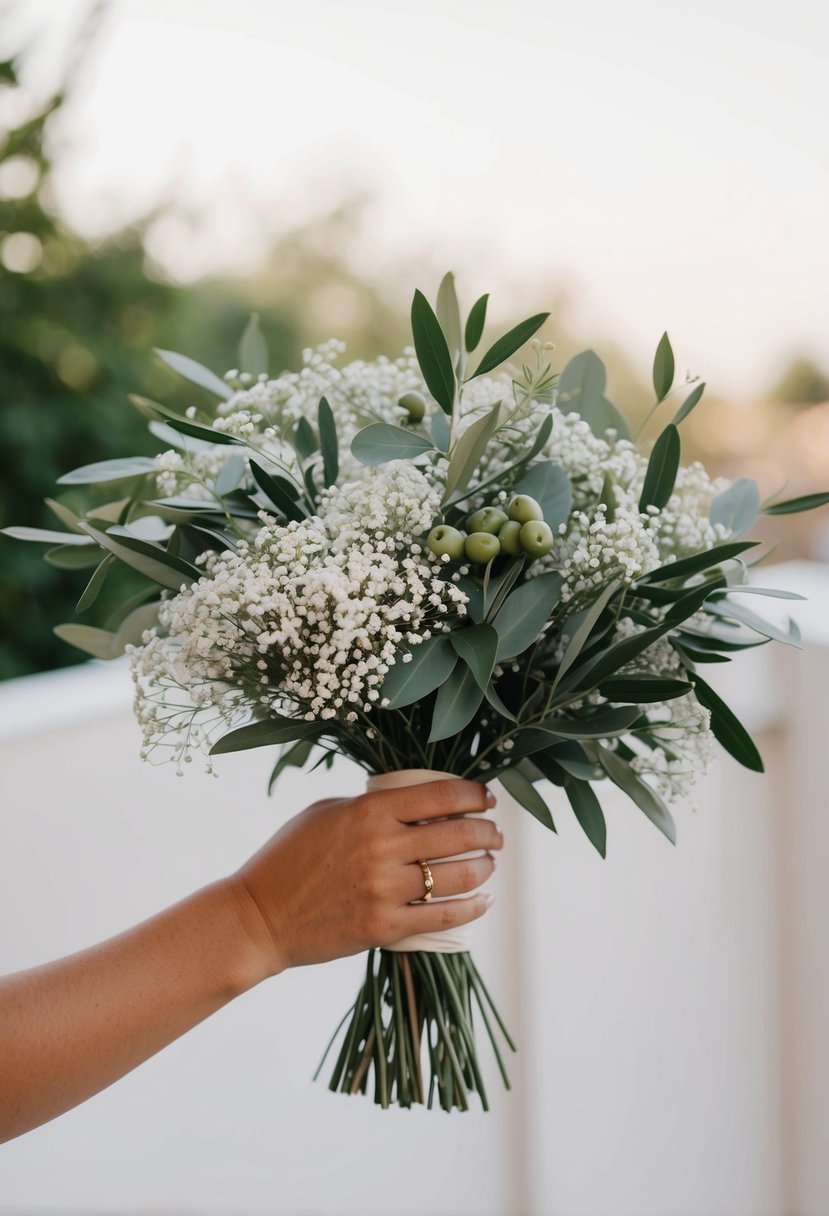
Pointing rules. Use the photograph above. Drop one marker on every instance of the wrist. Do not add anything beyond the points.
(257, 955)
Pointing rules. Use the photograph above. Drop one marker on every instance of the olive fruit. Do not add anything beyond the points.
(536, 538)
(488, 519)
(414, 404)
(524, 509)
(444, 539)
(481, 547)
(509, 538)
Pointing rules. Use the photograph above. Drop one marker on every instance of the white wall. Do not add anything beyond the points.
(670, 1004)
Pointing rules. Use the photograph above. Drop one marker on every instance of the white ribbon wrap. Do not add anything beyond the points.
(447, 941)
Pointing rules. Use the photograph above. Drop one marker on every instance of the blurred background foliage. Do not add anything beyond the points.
(78, 323)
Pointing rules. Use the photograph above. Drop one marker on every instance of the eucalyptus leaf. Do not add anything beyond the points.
(737, 507)
(525, 793)
(97, 642)
(525, 612)
(550, 486)
(509, 344)
(688, 404)
(294, 756)
(458, 699)
(433, 353)
(172, 438)
(73, 557)
(186, 426)
(468, 451)
(431, 663)
(64, 514)
(581, 390)
(475, 323)
(231, 474)
(184, 366)
(109, 470)
(745, 616)
(439, 428)
(577, 640)
(265, 734)
(588, 811)
(380, 442)
(253, 349)
(663, 368)
(663, 465)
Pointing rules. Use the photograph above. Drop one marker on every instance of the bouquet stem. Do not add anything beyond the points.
(409, 1001)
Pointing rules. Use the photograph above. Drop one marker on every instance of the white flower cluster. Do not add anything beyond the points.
(307, 618)
(190, 473)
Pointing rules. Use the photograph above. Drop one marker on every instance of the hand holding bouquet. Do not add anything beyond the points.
(423, 565)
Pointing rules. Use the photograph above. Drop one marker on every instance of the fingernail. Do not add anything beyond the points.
(489, 900)
(490, 798)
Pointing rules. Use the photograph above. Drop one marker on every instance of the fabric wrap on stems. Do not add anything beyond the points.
(446, 941)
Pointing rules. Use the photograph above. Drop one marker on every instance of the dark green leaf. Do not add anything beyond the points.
(737, 507)
(588, 811)
(727, 728)
(550, 486)
(253, 350)
(606, 724)
(266, 733)
(93, 587)
(662, 469)
(639, 689)
(305, 441)
(150, 560)
(525, 793)
(431, 663)
(578, 637)
(509, 344)
(195, 373)
(432, 353)
(468, 451)
(197, 430)
(456, 703)
(498, 705)
(475, 323)
(621, 774)
(328, 442)
(477, 647)
(279, 492)
(380, 442)
(525, 612)
(688, 404)
(294, 756)
(792, 506)
(687, 566)
(663, 368)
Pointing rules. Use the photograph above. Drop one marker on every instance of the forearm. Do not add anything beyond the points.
(70, 1028)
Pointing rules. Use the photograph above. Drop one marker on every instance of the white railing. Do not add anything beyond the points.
(671, 1005)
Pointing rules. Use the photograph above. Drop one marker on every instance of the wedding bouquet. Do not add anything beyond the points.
(421, 565)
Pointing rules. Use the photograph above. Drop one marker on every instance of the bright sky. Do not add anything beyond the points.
(667, 162)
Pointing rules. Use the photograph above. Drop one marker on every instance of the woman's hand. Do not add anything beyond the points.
(342, 876)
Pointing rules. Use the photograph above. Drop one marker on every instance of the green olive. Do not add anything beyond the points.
(414, 404)
(488, 519)
(444, 539)
(509, 538)
(481, 547)
(536, 538)
(524, 509)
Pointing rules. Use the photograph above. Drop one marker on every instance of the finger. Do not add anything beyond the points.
(436, 799)
(432, 918)
(437, 840)
(448, 877)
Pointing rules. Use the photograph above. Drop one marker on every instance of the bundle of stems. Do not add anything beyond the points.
(411, 1005)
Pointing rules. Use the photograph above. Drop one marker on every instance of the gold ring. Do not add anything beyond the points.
(428, 881)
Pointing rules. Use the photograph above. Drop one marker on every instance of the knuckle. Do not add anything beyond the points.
(448, 915)
(467, 876)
